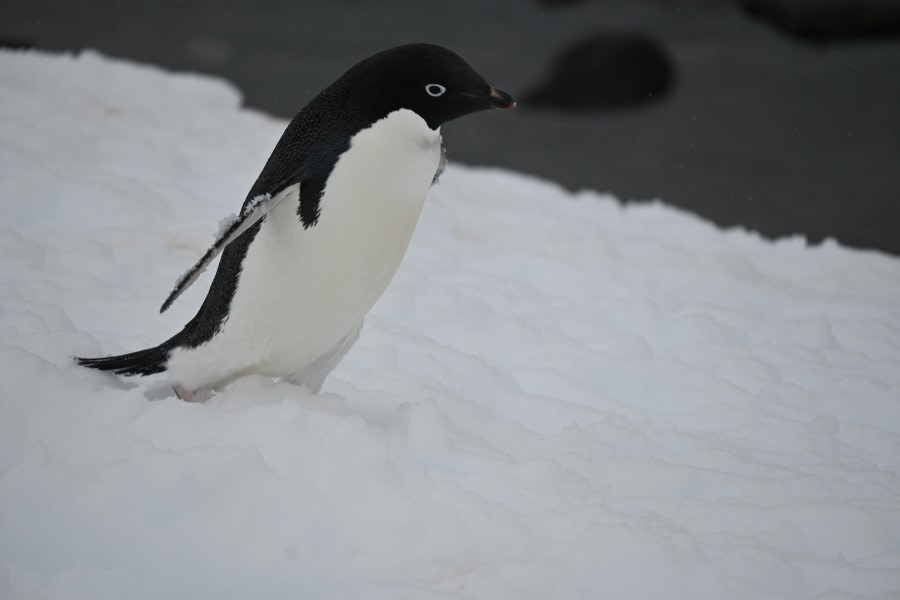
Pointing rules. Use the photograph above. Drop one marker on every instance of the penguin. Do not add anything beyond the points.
(323, 229)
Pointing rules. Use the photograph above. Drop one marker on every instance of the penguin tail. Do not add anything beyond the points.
(142, 362)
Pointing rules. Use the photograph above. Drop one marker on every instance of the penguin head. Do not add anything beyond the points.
(432, 81)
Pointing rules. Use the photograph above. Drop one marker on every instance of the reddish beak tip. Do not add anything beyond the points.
(500, 99)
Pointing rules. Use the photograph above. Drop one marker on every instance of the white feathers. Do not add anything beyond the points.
(302, 291)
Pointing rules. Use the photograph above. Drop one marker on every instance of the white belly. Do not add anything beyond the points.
(302, 290)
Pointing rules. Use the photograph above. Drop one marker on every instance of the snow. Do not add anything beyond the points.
(559, 396)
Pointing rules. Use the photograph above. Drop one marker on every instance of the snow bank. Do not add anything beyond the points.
(558, 397)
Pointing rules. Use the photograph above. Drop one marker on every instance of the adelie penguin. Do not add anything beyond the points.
(324, 227)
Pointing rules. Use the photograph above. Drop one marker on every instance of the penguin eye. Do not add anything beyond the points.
(435, 89)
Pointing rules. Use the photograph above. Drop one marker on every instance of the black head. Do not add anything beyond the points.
(432, 81)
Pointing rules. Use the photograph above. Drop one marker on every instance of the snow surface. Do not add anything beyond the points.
(558, 397)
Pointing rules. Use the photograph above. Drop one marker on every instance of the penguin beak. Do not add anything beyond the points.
(501, 99)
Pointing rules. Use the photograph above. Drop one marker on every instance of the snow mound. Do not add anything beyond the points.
(558, 397)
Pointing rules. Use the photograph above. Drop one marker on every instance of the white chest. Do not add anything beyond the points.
(301, 290)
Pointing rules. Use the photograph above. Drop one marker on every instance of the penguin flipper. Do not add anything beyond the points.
(253, 210)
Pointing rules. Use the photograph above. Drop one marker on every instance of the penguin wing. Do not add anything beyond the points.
(253, 210)
(309, 176)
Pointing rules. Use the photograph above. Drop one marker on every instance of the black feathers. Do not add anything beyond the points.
(143, 362)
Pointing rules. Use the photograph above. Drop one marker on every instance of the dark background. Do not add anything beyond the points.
(782, 116)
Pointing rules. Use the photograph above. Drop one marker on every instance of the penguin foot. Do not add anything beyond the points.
(183, 394)
(198, 395)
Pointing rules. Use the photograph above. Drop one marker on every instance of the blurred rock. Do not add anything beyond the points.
(605, 70)
(829, 20)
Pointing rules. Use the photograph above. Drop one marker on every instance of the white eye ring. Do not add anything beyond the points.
(435, 89)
